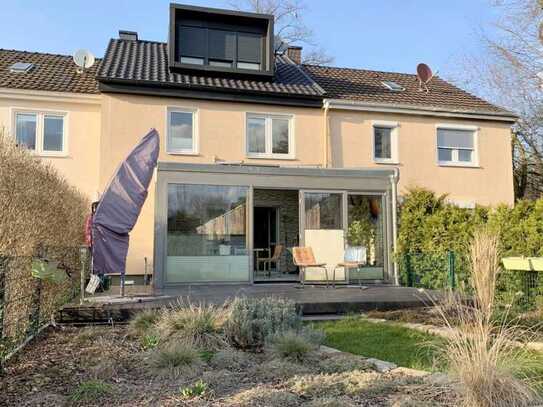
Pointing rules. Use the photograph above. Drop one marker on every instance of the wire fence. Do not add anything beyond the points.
(32, 289)
(518, 290)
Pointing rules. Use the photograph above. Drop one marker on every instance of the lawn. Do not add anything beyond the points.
(385, 341)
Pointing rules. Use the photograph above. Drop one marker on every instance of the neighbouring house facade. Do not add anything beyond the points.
(257, 149)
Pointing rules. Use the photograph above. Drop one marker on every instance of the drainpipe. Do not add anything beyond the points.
(394, 187)
(326, 106)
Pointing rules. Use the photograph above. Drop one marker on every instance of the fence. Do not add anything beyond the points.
(32, 289)
(518, 290)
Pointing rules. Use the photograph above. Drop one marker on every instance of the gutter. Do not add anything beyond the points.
(342, 104)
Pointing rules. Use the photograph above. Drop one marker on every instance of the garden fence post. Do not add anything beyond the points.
(83, 252)
(407, 263)
(452, 277)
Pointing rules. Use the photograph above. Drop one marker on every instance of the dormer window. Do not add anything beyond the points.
(220, 41)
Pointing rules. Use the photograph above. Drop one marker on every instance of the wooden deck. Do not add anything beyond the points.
(311, 300)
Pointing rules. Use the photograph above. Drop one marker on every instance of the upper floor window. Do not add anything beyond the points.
(269, 136)
(182, 131)
(385, 142)
(41, 132)
(456, 145)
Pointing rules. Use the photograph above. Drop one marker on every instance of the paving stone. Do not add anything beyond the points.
(381, 366)
(327, 349)
(410, 372)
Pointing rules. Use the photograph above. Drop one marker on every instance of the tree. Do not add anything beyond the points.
(506, 73)
(290, 28)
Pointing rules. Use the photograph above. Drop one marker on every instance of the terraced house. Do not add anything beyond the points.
(259, 152)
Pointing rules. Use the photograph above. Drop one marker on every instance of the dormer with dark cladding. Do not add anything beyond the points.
(224, 42)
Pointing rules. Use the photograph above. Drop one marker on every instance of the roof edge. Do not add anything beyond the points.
(345, 104)
(48, 95)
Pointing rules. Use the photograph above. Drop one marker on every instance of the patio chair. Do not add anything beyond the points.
(277, 252)
(355, 256)
(303, 257)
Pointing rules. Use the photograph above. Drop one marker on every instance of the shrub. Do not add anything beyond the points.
(251, 321)
(197, 324)
(481, 352)
(292, 345)
(198, 389)
(91, 390)
(142, 322)
(174, 357)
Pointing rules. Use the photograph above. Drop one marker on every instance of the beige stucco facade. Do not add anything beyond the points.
(103, 129)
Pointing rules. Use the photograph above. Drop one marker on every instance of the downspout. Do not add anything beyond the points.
(326, 106)
(394, 178)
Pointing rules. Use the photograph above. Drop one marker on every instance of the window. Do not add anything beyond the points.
(220, 48)
(43, 133)
(21, 67)
(181, 132)
(385, 142)
(456, 145)
(393, 86)
(269, 136)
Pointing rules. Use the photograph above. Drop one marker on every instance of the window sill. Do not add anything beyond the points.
(386, 162)
(458, 165)
(51, 155)
(271, 157)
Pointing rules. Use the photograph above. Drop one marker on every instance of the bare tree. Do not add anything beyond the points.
(506, 73)
(290, 27)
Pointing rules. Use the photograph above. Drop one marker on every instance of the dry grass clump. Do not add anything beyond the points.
(230, 359)
(280, 370)
(341, 362)
(334, 384)
(481, 353)
(263, 396)
(331, 402)
(143, 322)
(198, 324)
(293, 346)
(175, 357)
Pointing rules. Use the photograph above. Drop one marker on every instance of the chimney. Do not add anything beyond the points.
(295, 54)
(128, 35)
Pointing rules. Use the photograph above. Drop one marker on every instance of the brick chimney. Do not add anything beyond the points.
(295, 54)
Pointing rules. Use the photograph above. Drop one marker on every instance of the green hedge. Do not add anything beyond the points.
(429, 227)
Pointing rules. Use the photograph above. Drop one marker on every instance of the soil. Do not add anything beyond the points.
(51, 370)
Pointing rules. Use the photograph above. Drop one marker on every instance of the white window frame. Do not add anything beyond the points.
(455, 162)
(195, 133)
(40, 128)
(268, 117)
(394, 141)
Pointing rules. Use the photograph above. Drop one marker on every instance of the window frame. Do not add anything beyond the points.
(268, 135)
(40, 130)
(195, 133)
(455, 162)
(394, 142)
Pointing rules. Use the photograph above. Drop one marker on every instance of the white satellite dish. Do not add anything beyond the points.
(83, 59)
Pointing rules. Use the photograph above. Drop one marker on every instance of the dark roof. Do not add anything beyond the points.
(366, 86)
(146, 63)
(56, 73)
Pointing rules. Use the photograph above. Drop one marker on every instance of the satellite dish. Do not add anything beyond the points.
(425, 75)
(83, 59)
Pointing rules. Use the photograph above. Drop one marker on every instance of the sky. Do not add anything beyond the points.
(386, 35)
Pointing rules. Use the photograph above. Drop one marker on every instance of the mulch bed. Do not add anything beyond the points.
(50, 370)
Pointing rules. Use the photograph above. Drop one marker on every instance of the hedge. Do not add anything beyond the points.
(429, 227)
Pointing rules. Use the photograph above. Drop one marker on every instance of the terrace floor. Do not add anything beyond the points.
(312, 299)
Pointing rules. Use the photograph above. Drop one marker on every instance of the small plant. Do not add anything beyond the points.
(91, 390)
(198, 324)
(142, 322)
(292, 345)
(252, 321)
(175, 356)
(149, 342)
(198, 389)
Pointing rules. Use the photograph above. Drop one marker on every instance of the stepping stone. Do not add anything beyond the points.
(381, 366)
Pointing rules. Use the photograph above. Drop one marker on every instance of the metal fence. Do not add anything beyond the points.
(28, 299)
(518, 290)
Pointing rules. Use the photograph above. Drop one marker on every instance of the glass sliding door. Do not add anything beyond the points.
(323, 231)
(365, 234)
(207, 233)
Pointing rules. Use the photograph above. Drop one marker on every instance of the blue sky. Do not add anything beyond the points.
(389, 35)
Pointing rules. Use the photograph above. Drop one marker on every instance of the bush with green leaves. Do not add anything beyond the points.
(91, 390)
(198, 389)
(252, 321)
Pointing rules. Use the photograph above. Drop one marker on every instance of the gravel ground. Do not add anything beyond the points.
(103, 366)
